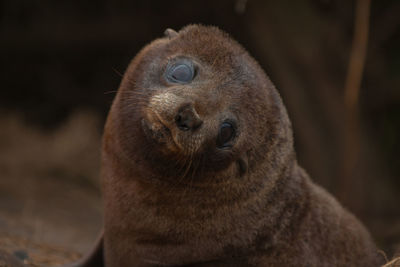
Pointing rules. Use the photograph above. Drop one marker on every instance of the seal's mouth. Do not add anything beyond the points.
(173, 122)
(171, 140)
(166, 138)
(156, 131)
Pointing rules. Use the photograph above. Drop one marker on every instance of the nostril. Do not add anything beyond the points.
(178, 118)
(181, 123)
(187, 119)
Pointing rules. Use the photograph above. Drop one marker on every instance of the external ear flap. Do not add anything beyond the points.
(170, 33)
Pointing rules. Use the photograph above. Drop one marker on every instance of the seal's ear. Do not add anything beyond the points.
(170, 33)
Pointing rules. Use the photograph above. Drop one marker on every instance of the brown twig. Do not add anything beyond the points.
(358, 54)
(394, 263)
(349, 189)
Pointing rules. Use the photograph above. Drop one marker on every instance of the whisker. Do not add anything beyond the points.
(117, 72)
(185, 174)
(110, 92)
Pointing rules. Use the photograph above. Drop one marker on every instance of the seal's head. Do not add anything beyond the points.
(195, 100)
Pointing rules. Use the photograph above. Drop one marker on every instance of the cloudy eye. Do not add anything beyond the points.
(226, 133)
(180, 73)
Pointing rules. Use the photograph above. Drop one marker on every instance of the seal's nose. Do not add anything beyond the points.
(187, 118)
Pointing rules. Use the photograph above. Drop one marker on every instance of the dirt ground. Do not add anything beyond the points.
(50, 204)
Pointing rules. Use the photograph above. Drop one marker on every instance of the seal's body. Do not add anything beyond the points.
(199, 169)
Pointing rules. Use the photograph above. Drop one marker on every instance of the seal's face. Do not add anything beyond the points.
(179, 119)
(192, 115)
(196, 97)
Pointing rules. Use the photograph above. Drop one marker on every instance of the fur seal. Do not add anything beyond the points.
(199, 169)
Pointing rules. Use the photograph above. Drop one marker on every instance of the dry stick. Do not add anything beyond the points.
(393, 263)
(358, 54)
(349, 181)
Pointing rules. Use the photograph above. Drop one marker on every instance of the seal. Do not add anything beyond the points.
(199, 169)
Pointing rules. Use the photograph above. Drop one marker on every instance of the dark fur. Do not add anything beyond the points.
(249, 206)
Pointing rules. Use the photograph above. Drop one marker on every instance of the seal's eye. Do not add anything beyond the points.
(180, 73)
(225, 134)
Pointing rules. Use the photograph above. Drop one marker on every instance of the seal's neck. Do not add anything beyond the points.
(214, 221)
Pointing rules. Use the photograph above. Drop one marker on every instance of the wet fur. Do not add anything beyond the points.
(251, 206)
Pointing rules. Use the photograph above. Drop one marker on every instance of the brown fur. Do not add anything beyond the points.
(172, 198)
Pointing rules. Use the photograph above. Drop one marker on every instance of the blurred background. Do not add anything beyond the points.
(61, 60)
